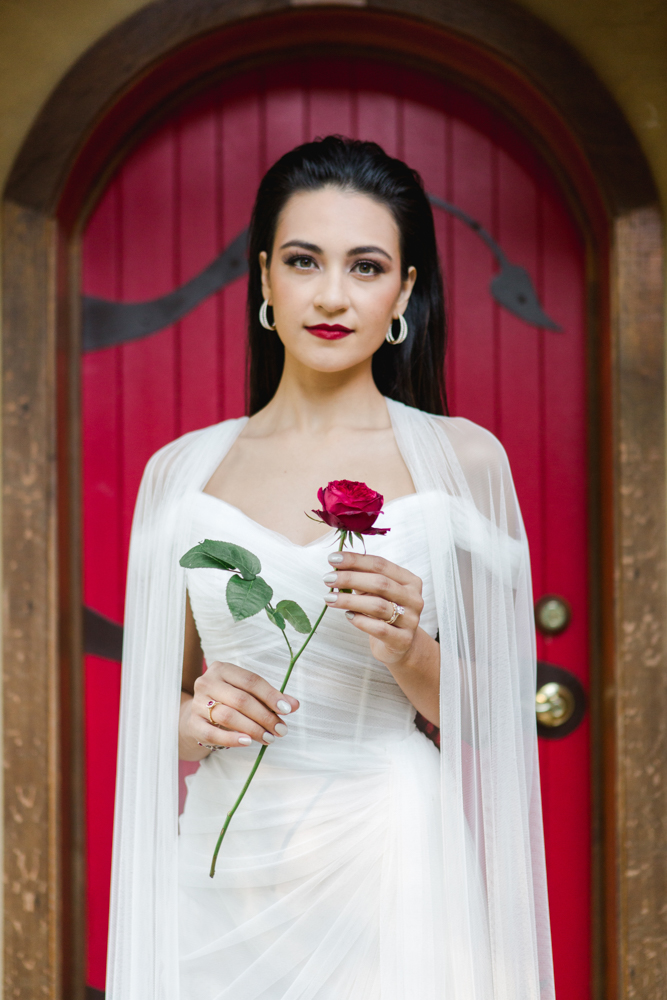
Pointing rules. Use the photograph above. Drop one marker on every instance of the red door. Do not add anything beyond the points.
(182, 197)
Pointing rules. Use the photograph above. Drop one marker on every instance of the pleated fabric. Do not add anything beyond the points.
(362, 864)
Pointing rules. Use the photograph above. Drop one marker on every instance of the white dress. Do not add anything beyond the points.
(327, 883)
(362, 865)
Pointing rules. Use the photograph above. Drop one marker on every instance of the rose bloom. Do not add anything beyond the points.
(350, 506)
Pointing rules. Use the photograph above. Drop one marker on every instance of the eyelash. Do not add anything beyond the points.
(293, 261)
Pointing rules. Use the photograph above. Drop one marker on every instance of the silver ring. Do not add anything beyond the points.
(398, 610)
(209, 746)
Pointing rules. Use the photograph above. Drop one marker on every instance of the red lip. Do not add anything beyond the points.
(327, 332)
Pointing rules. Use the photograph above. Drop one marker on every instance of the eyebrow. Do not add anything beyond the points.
(355, 252)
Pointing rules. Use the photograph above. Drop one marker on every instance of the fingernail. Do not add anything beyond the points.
(281, 729)
(331, 577)
(330, 598)
(284, 707)
(268, 738)
(245, 741)
(335, 558)
(349, 614)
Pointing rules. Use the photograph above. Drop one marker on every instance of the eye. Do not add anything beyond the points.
(301, 262)
(368, 267)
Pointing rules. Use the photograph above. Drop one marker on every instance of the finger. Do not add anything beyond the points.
(210, 736)
(227, 719)
(239, 677)
(376, 607)
(373, 583)
(374, 564)
(398, 640)
(237, 704)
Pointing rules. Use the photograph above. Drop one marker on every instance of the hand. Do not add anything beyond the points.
(377, 585)
(249, 709)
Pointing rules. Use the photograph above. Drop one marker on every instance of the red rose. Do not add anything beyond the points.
(350, 506)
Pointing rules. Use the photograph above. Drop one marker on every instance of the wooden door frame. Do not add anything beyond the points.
(106, 102)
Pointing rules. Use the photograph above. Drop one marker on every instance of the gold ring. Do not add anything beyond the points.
(398, 610)
(211, 705)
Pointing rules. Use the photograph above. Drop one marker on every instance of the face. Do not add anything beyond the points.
(334, 279)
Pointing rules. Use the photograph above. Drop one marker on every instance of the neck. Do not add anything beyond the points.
(316, 402)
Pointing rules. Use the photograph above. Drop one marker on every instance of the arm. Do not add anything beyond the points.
(249, 707)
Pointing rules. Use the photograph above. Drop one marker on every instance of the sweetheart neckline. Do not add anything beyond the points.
(279, 534)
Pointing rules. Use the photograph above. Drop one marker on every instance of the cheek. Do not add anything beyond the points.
(375, 302)
(290, 295)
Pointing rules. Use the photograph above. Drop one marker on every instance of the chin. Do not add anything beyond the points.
(334, 356)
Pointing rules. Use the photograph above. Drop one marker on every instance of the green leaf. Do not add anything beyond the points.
(213, 554)
(196, 559)
(235, 556)
(276, 618)
(295, 615)
(246, 597)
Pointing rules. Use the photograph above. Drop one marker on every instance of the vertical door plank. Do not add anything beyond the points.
(104, 584)
(473, 315)
(149, 366)
(331, 109)
(378, 108)
(243, 164)
(567, 784)
(197, 242)
(285, 110)
(520, 354)
(425, 144)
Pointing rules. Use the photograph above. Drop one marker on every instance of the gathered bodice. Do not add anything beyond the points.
(345, 693)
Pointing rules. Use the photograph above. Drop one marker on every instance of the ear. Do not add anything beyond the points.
(406, 290)
(266, 284)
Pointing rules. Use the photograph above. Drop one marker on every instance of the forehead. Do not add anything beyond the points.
(338, 214)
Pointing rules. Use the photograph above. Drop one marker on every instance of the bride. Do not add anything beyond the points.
(363, 864)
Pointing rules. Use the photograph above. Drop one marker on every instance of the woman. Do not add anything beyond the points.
(362, 864)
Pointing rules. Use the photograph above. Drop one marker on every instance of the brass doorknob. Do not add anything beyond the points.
(554, 704)
(552, 614)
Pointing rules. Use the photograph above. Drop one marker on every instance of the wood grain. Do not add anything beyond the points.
(640, 689)
(30, 630)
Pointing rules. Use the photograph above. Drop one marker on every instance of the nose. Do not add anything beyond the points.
(331, 296)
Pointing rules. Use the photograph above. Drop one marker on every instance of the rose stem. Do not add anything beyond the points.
(293, 659)
(258, 761)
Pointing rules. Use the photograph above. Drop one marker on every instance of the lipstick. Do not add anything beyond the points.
(329, 332)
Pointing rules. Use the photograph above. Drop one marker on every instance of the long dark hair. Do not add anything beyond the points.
(411, 373)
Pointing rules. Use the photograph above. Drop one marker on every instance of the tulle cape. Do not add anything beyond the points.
(489, 771)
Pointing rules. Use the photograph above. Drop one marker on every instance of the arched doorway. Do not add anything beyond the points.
(181, 198)
(110, 140)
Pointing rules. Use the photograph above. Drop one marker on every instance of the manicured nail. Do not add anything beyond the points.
(349, 614)
(245, 741)
(330, 598)
(284, 707)
(268, 738)
(281, 729)
(335, 558)
(331, 577)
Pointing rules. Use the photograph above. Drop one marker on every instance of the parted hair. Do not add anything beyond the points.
(412, 372)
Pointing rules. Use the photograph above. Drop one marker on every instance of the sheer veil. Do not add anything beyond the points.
(494, 885)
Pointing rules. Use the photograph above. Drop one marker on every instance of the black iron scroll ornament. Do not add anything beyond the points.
(107, 323)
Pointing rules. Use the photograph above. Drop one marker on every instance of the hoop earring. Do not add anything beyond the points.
(264, 316)
(402, 332)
